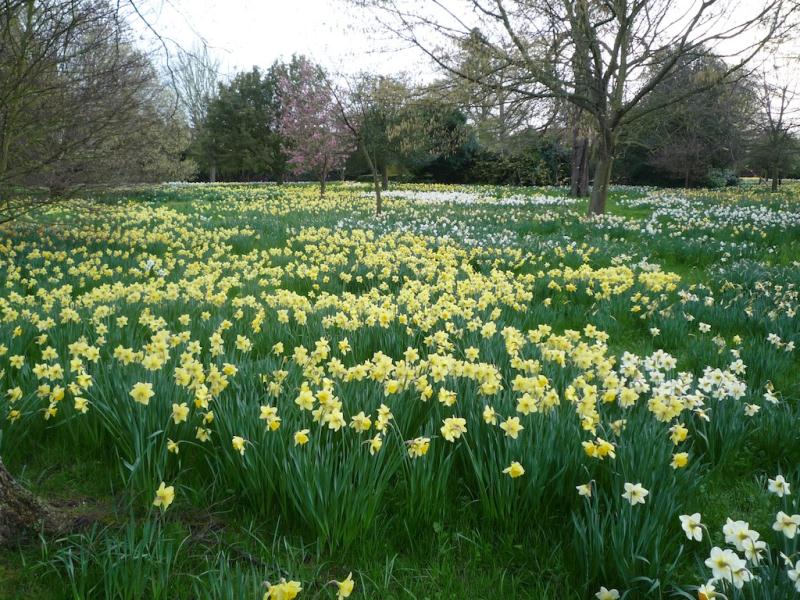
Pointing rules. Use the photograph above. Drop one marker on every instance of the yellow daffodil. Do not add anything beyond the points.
(164, 496)
(285, 590)
(142, 392)
(345, 587)
(239, 444)
(514, 470)
(512, 427)
(180, 412)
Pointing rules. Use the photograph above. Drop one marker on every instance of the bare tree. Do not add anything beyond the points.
(197, 73)
(79, 104)
(496, 112)
(601, 56)
(776, 148)
(371, 107)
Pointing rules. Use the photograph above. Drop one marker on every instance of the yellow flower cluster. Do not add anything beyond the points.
(233, 339)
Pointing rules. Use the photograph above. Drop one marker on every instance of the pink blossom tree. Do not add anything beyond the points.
(311, 121)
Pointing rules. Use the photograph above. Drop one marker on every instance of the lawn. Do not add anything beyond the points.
(479, 394)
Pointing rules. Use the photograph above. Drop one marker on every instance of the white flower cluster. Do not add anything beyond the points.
(652, 374)
(467, 198)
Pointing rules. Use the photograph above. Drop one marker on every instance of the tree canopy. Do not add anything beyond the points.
(80, 104)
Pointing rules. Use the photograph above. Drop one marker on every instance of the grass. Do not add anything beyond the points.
(431, 277)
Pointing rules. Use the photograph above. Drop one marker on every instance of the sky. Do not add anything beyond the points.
(334, 33)
(244, 33)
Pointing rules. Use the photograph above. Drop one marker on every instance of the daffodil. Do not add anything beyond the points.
(635, 493)
(285, 590)
(678, 433)
(606, 594)
(786, 524)
(779, 486)
(679, 460)
(375, 444)
(142, 392)
(707, 591)
(418, 447)
(360, 422)
(239, 444)
(164, 496)
(725, 564)
(512, 427)
(514, 470)
(179, 412)
(453, 427)
(692, 526)
(345, 587)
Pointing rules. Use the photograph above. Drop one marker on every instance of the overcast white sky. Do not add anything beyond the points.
(337, 35)
(244, 33)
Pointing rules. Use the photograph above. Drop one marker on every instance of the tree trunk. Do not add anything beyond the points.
(212, 173)
(602, 172)
(378, 185)
(21, 512)
(502, 125)
(775, 179)
(583, 182)
(323, 177)
(385, 177)
(602, 177)
(575, 165)
(376, 178)
(57, 189)
(579, 176)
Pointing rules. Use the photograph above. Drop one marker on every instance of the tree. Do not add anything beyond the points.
(688, 141)
(597, 55)
(775, 149)
(370, 108)
(318, 140)
(508, 123)
(196, 75)
(496, 112)
(580, 130)
(431, 136)
(238, 137)
(77, 103)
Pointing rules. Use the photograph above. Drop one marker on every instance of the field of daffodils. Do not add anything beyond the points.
(254, 392)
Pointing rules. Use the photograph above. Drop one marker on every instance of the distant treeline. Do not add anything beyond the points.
(83, 106)
(708, 140)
